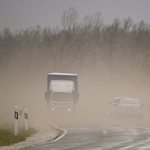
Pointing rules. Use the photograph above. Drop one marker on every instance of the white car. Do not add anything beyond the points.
(114, 105)
(129, 108)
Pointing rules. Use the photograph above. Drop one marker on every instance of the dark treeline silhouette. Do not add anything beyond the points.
(120, 49)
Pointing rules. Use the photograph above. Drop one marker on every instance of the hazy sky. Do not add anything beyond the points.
(21, 14)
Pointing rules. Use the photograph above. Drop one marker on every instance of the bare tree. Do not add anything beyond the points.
(6, 48)
(69, 19)
(142, 37)
(107, 44)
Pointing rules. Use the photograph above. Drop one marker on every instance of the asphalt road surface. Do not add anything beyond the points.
(114, 136)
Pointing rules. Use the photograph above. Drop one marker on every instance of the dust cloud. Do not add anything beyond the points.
(110, 60)
(93, 107)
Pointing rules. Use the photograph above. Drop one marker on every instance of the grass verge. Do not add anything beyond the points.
(7, 136)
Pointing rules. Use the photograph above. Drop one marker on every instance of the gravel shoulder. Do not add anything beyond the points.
(35, 139)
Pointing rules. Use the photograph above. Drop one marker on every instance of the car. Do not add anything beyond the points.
(129, 107)
(114, 105)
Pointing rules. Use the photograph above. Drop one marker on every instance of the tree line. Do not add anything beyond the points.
(87, 47)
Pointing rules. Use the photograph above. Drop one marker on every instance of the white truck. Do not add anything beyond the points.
(62, 93)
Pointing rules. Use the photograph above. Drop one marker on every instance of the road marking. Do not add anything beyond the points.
(104, 132)
(61, 135)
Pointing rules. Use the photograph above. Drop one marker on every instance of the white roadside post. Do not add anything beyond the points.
(16, 120)
(26, 118)
(20, 118)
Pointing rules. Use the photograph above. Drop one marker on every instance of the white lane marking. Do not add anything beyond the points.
(104, 132)
(64, 132)
(62, 135)
(59, 137)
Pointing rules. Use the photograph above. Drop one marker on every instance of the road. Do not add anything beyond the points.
(113, 136)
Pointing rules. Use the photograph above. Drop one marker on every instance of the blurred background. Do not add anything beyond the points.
(111, 60)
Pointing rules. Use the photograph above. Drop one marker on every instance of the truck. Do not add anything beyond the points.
(62, 93)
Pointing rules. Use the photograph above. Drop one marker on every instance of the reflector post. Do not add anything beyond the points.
(16, 120)
(26, 118)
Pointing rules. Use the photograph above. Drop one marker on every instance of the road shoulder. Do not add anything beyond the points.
(41, 137)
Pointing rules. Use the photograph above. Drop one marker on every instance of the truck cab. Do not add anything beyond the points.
(62, 93)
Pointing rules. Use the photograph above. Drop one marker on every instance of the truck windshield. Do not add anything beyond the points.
(61, 97)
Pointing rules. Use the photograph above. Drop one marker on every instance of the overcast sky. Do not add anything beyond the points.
(21, 14)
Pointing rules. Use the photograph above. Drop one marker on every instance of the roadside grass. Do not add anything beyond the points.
(8, 138)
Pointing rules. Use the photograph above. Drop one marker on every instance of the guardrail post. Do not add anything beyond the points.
(16, 120)
(26, 118)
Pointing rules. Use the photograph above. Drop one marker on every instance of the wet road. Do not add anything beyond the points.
(100, 137)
